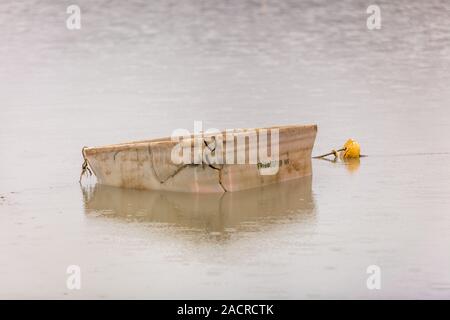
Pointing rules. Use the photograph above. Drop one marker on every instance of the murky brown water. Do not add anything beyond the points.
(142, 69)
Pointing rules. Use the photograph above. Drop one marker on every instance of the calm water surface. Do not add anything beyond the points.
(140, 69)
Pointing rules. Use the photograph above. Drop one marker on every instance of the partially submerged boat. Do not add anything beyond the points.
(207, 162)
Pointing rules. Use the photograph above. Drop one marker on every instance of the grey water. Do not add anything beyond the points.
(141, 69)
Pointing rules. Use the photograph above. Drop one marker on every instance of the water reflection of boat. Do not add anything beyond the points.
(215, 212)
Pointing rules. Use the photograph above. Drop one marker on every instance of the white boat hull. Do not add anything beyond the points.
(148, 165)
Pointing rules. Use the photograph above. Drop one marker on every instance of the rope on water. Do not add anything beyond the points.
(333, 152)
(85, 166)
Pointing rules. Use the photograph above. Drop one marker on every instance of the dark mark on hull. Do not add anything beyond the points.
(149, 148)
(173, 174)
(115, 154)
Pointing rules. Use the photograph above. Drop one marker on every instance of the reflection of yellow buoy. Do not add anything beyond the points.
(352, 164)
(351, 150)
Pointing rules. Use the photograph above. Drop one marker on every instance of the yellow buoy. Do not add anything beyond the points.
(351, 150)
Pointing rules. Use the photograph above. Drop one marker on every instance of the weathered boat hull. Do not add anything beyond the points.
(148, 164)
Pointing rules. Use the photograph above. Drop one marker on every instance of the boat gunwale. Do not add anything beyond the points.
(145, 143)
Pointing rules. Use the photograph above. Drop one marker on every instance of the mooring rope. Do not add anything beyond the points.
(85, 166)
(333, 152)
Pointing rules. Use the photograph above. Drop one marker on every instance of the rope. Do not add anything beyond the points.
(85, 166)
(333, 152)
